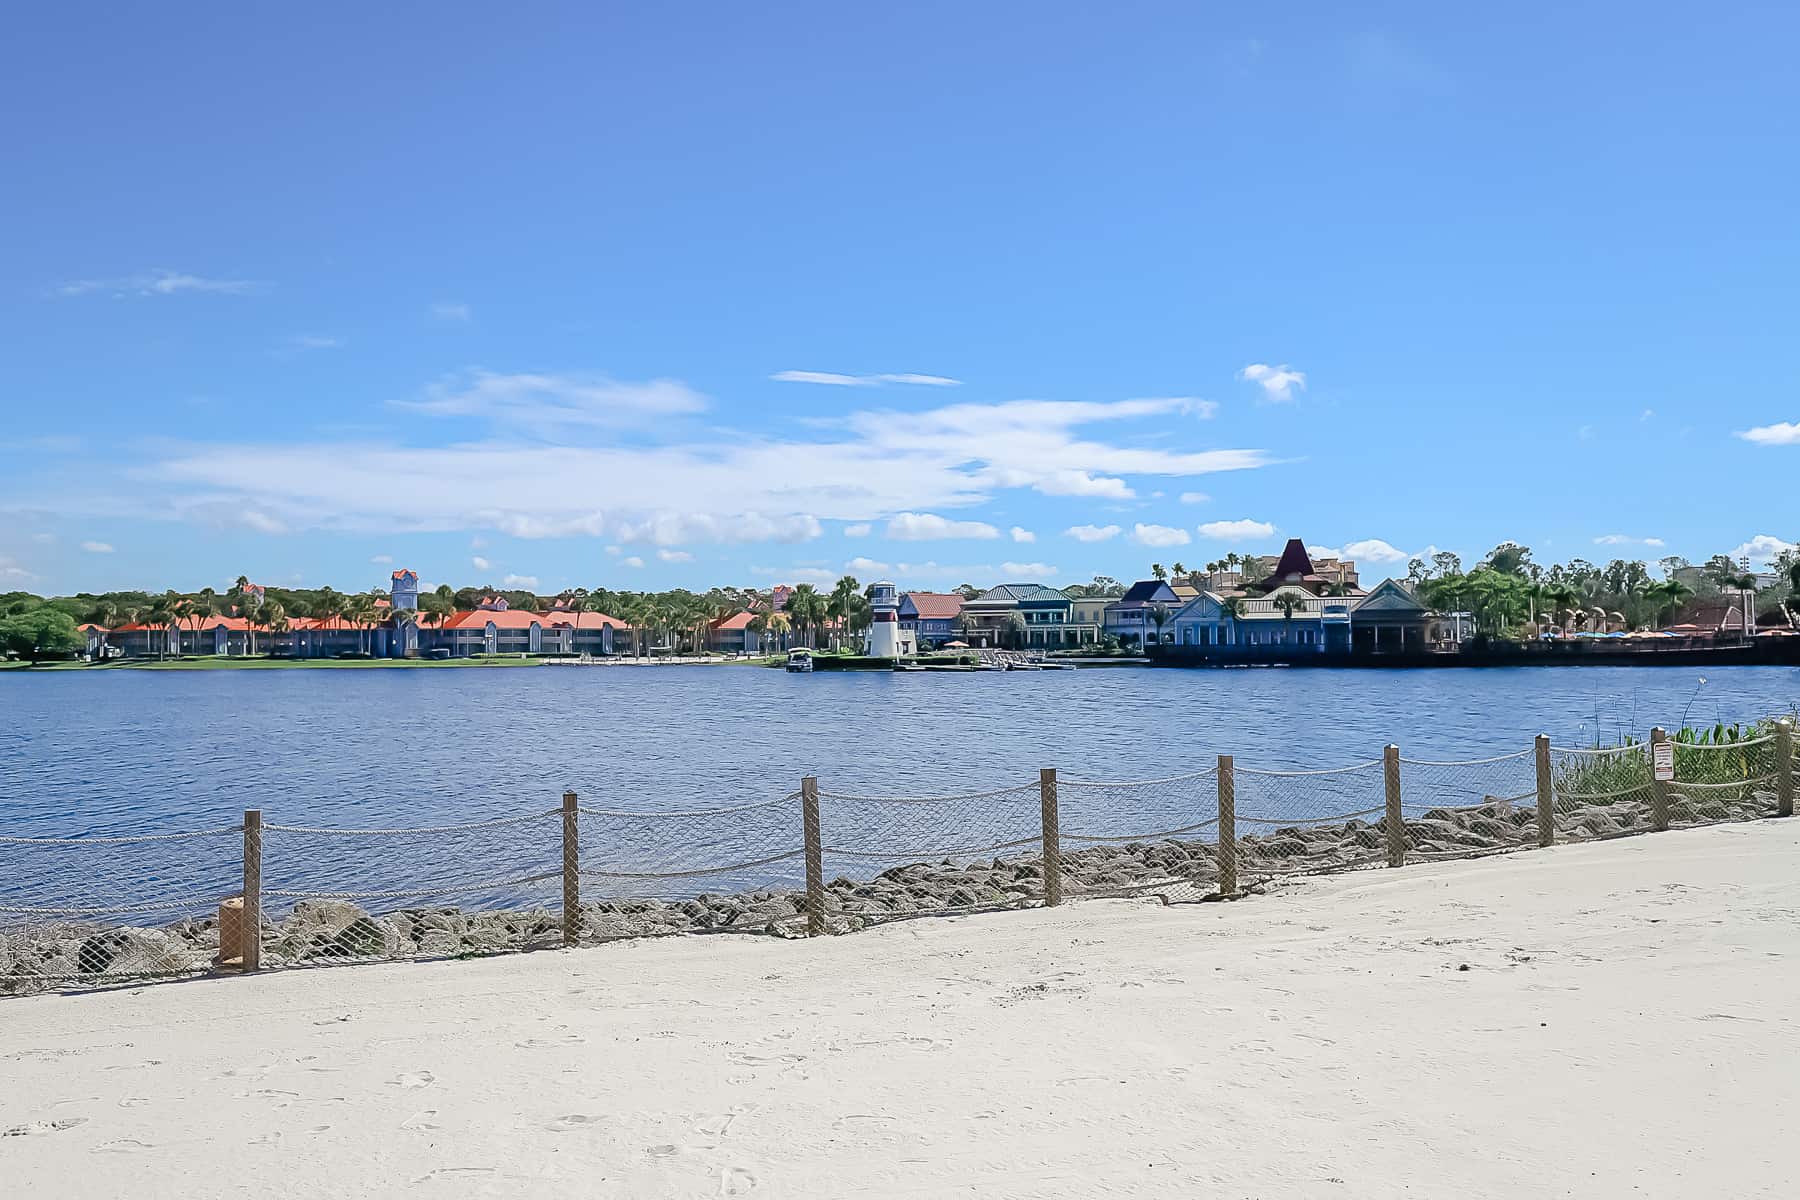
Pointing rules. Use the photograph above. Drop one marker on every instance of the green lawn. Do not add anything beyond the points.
(220, 663)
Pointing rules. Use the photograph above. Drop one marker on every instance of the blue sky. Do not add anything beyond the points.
(745, 294)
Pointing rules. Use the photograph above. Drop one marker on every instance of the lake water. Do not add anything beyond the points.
(131, 751)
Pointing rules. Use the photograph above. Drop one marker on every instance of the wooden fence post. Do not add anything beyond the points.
(1396, 827)
(1052, 835)
(571, 838)
(1784, 768)
(252, 926)
(1546, 800)
(1227, 826)
(815, 856)
(1659, 790)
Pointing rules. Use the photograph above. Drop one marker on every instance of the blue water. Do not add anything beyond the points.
(129, 751)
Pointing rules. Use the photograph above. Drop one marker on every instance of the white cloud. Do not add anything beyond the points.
(97, 547)
(632, 561)
(158, 283)
(1021, 534)
(1159, 535)
(652, 486)
(1782, 433)
(614, 551)
(528, 582)
(1762, 550)
(674, 556)
(867, 566)
(544, 402)
(1236, 531)
(44, 539)
(1080, 483)
(451, 312)
(1324, 552)
(1092, 533)
(382, 559)
(832, 379)
(1373, 550)
(1277, 383)
(925, 527)
(1194, 497)
(10, 569)
(480, 563)
(1028, 570)
(860, 529)
(1622, 539)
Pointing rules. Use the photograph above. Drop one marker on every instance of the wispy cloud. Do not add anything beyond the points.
(382, 560)
(925, 527)
(859, 529)
(452, 312)
(1236, 531)
(1028, 570)
(158, 283)
(796, 574)
(632, 560)
(548, 401)
(1622, 539)
(1159, 536)
(1021, 534)
(1278, 384)
(1195, 498)
(480, 563)
(10, 569)
(675, 556)
(309, 341)
(1782, 433)
(833, 379)
(528, 582)
(1092, 533)
(97, 547)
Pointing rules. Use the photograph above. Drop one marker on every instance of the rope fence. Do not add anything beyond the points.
(98, 910)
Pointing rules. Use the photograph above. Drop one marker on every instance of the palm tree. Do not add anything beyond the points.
(843, 598)
(759, 625)
(1665, 596)
(779, 625)
(1160, 615)
(1288, 602)
(162, 617)
(105, 615)
(1180, 572)
(806, 608)
(1157, 571)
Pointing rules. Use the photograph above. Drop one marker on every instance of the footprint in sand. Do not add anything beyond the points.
(571, 1121)
(56, 1126)
(415, 1079)
(122, 1146)
(662, 1151)
(134, 1101)
(736, 1181)
(421, 1120)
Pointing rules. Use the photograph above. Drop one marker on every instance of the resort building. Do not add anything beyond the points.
(1289, 617)
(1132, 617)
(1025, 616)
(1392, 618)
(929, 618)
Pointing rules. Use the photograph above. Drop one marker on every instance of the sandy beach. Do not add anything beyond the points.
(1613, 1019)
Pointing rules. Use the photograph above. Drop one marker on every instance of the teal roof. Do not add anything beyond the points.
(1023, 593)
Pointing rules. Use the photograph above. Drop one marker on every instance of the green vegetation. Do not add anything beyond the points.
(40, 633)
(1711, 756)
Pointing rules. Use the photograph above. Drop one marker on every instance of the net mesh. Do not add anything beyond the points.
(1474, 806)
(711, 870)
(354, 895)
(98, 910)
(1131, 837)
(1296, 822)
(1724, 780)
(1601, 792)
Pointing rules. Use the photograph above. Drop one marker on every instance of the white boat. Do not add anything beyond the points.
(800, 660)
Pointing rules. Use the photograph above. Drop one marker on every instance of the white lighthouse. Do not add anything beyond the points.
(884, 630)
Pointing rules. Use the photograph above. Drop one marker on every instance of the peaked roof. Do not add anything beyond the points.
(1294, 561)
(936, 606)
(1019, 593)
(1147, 591)
(1389, 596)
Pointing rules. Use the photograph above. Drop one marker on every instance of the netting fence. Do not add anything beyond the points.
(92, 911)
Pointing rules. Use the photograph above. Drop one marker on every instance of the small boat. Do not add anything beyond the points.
(800, 660)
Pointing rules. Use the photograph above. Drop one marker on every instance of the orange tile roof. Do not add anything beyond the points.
(735, 621)
(937, 606)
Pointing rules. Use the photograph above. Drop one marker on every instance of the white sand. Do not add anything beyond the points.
(1626, 1027)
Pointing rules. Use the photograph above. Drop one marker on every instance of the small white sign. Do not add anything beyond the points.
(1662, 761)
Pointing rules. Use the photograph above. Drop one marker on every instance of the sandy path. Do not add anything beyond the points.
(1626, 1027)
